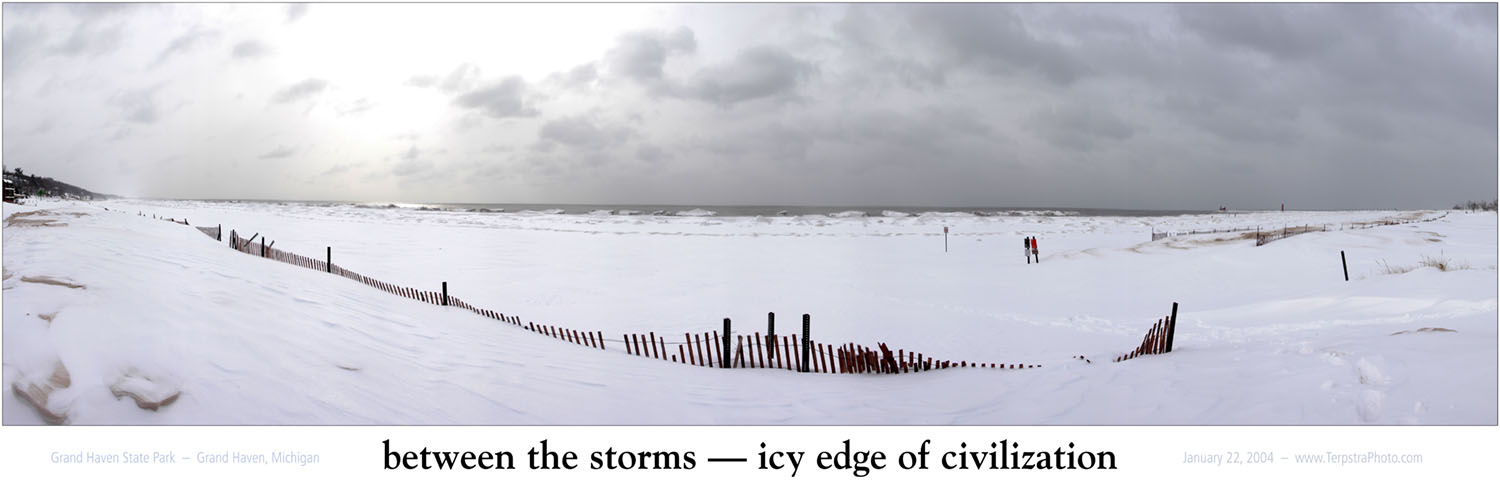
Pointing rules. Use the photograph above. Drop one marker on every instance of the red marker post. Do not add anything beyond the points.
(945, 239)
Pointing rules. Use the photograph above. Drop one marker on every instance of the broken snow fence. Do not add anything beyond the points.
(709, 349)
(1262, 237)
(1156, 235)
(1158, 339)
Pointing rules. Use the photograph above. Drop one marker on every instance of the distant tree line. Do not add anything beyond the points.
(32, 185)
(1476, 205)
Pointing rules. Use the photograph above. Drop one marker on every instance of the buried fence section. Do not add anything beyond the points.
(708, 349)
(1158, 340)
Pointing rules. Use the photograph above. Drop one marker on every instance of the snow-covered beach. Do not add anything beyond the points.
(1267, 335)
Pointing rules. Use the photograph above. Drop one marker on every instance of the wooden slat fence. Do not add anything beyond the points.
(1263, 237)
(1158, 339)
(753, 351)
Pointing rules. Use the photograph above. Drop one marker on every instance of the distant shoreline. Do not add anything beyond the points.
(735, 210)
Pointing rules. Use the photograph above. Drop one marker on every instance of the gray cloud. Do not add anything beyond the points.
(1419, 64)
(500, 99)
(994, 38)
(91, 41)
(651, 153)
(278, 153)
(1080, 127)
(338, 169)
(1289, 32)
(139, 105)
(185, 42)
(356, 107)
(249, 49)
(295, 11)
(578, 77)
(23, 43)
(583, 132)
(641, 55)
(300, 90)
(422, 81)
(411, 164)
(461, 78)
(756, 73)
(1389, 105)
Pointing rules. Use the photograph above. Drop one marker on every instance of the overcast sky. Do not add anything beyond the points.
(1127, 106)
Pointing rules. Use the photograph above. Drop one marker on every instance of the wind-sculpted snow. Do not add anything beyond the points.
(1266, 335)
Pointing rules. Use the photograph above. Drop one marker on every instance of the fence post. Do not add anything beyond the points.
(445, 293)
(1346, 265)
(329, 262)
(724, 363)
(220, 234)
(1172, 327)
(262, 246)
(806, 340)
(771, 334)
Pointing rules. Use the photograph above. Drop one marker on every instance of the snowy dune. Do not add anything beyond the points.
(1267, 335)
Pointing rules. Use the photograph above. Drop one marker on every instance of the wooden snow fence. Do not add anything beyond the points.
(709, 349)
(755, 350)
(1158, 339)
(1262, 238)
(1156, 235)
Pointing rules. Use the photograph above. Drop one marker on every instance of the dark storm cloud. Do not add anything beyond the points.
(1398, 55)
(1330, 105)
(1081, 127)
(300, 90)
(641, 55)
(651, 153)
(500, 99)
(756, 73)
(993, 38)
(249, 49)
(1288, 32)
